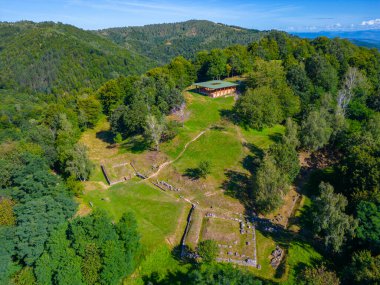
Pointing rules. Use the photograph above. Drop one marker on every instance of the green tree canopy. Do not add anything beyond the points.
(315, 130)
(329, 220)
(368, 215)
(322, 73)
(363, 269)
(269, 186)
(208, 250)
(318, 276)
(78, 164)
(259, 108)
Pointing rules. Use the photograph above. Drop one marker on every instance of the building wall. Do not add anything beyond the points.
(222, 92)
(218, 92)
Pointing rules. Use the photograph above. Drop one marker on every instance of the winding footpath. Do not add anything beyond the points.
(162, 166)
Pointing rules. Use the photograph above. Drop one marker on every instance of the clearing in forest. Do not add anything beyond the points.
(206, 135)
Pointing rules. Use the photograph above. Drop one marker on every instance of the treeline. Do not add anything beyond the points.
(42, 163)
(50, 127)
(163, 42)
(326, 93)
(53, 58)
(138, 105)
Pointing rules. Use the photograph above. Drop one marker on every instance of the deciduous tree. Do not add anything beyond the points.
(318, 276)
(329, 220)
(259, 108)
(368, 215)
(208, 250)
(268, 186)
(315, 130)
(78, 164)
(154, 130)
(363, 269)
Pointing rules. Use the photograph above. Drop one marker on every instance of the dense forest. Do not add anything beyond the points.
(325, 92)
(49, 57)
(162, 42)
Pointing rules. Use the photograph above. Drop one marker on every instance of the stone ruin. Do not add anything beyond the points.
(242, 228)
(277, 254)
(140, 175)
(168, 186)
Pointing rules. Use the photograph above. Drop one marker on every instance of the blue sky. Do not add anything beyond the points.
(284, 15)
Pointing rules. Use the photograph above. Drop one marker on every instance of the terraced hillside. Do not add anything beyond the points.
(162, 211)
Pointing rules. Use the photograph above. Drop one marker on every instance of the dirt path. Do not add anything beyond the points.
(241, 138)
(178, 157)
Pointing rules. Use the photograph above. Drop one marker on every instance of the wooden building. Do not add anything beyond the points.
(216, 88)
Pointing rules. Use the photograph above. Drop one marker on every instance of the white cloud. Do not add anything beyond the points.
(371, 22)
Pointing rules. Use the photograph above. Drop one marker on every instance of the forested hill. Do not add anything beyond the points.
(162, 42)
(47, 56)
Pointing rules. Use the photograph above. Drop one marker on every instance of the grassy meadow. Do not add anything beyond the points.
(162, 215)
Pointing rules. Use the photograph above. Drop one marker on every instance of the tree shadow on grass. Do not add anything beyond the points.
(183, 254)
(195, 273)
(250, 163)
(286, 239)
(106, 136)
(298, 268)
(218, 128)
(281, 268)
(193, 173)
(301, 266)
(136, 144)
(237, 186)
(275, 137)
(170, 278)
(304, 220)
(258, 152)
(229, 115)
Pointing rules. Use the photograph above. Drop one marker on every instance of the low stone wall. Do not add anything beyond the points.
(105, 174)
(109, 181)
(183, 240)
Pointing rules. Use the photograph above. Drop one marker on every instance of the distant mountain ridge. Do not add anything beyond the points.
(161, 42)
(49, 56)
(367, 38)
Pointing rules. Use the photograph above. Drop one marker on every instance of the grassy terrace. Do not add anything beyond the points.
(149, 206)
(162, 215)
(203, 112)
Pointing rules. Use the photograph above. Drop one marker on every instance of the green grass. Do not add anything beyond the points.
(149, 206)
(204, 112)
(299, 255)
(263, 138)
(97, 175)
(221, 149)
(157, 215)
(159, 261)
(162, 217)
(265, 246)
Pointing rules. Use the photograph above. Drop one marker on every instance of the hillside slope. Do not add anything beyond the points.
(46, 56)
(162, 42)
